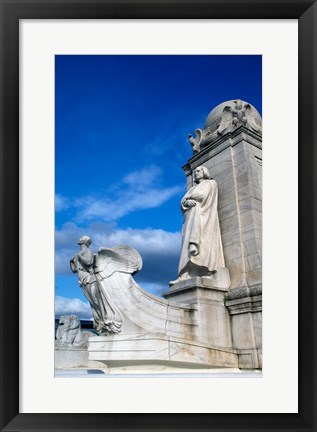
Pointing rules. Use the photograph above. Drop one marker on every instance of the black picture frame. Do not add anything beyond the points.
(11, 12)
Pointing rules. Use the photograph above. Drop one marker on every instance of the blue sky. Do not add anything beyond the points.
(121, 128)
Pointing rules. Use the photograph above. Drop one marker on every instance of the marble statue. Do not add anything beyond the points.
(223, 119)
(201, 251)
(240, 114)
(69, 332)
(94, 272)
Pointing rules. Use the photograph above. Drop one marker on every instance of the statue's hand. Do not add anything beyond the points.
(73, 264)
(193, 249)
(190, 203)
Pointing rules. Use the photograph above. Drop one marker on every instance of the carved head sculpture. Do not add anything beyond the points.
(238, 103)
(84, 240)
(69, 322)
(201, 173)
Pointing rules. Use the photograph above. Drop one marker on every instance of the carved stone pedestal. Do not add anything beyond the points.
(212, 315)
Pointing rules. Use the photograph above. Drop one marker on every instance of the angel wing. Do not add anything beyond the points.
(121, 258)
(257, 127)
(226, 120)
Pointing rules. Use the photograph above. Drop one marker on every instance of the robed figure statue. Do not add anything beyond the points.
(201, 251)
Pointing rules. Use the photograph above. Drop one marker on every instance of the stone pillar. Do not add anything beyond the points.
(230, 147)
(212, 315)
(235, 162)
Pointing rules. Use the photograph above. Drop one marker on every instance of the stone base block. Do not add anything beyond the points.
(186, 291)
(220, 279)
(72, 357)
(250, 358)
(153, 370)
(159, 349)
(213, 317)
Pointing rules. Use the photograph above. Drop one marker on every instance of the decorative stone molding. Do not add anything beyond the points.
(230, 139)
(223, 119)
(243, 300)
(239, 293)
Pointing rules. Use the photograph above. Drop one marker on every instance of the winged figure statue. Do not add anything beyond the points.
(93, 271)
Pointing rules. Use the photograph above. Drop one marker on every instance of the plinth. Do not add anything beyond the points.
(213, 316)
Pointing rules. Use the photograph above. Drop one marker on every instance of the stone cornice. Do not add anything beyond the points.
(244, 300)
(229, 139)
(239, 293)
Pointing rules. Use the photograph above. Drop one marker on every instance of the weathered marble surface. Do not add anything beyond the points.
(159, 349)
(68, 357)
(212, 315)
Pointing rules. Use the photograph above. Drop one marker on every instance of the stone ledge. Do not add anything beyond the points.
(246, 291)
(244, 305)
(149, 348)
(230, 139)
(193, 283)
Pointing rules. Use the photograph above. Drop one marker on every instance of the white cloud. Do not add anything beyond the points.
(61, 203)
(128, 202)
(137, 191)
(154, 241)
(159, 250)
(141, 179)
(69, 306)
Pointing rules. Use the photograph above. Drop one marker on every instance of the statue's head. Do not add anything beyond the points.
(201, 173)
(84, 240)
(238, 103)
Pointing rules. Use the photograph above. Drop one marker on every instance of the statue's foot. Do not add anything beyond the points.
(211, 275)
(173, 282)
(181, 278)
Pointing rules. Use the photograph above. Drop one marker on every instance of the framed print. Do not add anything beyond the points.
(50, 51)
(137, 207)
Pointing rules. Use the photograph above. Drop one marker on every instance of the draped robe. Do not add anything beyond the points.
(201, 228)
(107, 318)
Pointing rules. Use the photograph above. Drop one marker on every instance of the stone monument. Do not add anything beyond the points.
(230, 147)
(210, 317)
